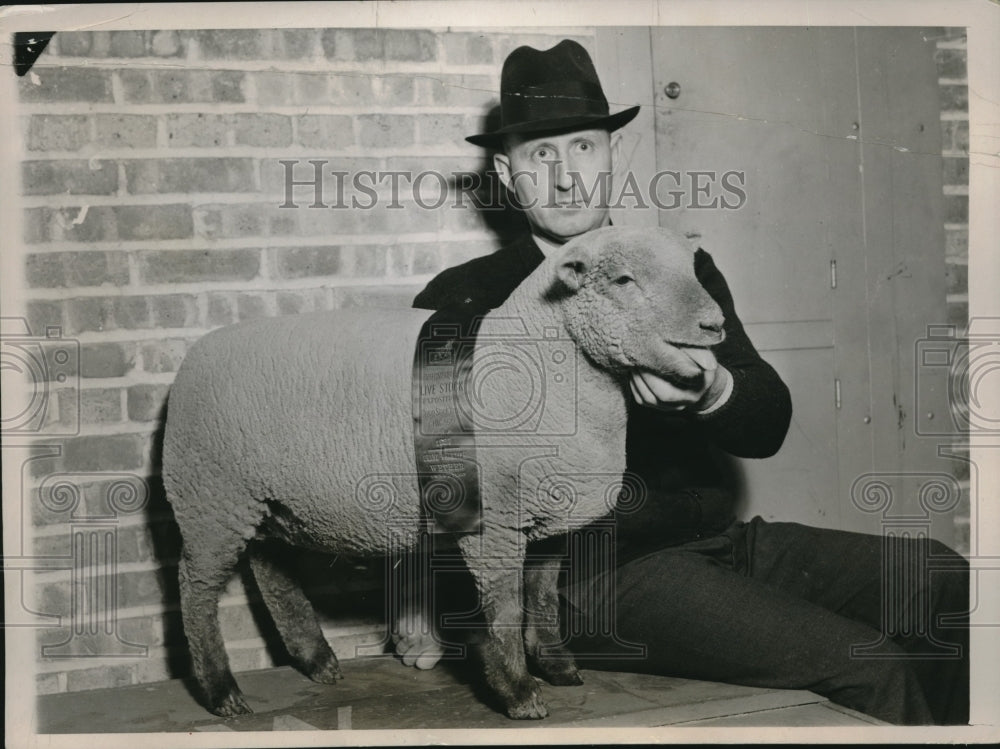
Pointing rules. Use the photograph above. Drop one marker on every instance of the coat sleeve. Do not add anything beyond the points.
(754, 420)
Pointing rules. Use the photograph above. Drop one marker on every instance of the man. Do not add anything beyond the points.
(755, 603)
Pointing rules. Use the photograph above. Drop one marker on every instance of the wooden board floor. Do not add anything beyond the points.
(380, 693)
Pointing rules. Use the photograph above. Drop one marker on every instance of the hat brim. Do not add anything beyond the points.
(609, 122)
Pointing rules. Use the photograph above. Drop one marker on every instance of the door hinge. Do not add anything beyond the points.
(833, 274)
(836, 392)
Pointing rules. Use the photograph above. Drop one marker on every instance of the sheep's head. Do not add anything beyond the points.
(631, 301)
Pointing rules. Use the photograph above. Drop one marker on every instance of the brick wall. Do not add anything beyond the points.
(953, 81)
(152, 186)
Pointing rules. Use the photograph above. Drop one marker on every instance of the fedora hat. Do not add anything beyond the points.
(551, 90)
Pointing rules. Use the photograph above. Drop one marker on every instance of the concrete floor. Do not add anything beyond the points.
(380, 693)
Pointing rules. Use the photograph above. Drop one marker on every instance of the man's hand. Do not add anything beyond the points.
(650, 390)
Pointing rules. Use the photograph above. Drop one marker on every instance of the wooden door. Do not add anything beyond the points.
(835, 258)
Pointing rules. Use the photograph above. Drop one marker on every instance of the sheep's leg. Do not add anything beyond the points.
(543, 642)
(498, 580)
(202, 575)
(293, 614)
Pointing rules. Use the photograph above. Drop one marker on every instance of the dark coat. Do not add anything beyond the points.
(675, 455)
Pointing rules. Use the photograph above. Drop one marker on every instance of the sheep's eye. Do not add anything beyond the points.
(624, 279)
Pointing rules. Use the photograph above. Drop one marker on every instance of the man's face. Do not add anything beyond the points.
(562, 182)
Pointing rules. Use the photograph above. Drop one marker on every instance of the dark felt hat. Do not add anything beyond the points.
(551, 90)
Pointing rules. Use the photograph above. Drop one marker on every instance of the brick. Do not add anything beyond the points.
(957, 278)
(301, 300)
(300, 262)
(100, 406)
(962, 136)
(113, 452)
(166, 43)
(68, 407)
(954, 98)
(958, 315)
(75, 177)
(174, 311)
(249, 220)
(221, 310)
(457, 90)
(128, 44)
(66, 84)
(163, 355)
(275, 176)
(324, 131)
(154, 222)
(178, 266)
(43, 314)
(369, 260)
(233, 44)
(394, 44)
(957, 242)
(386, 130)
(37, 225)
(104, 223)
(951, 63)
(107, 313)
(202, 130)
(45, 270)
(251, 306)
(311, 88)
(956, 209)
(74, 43)
(182, 86)
(106, 359)
(294, 44)
(375, 296)
(956, 171)
(126, 130)
(274, 88)
(263, 129)
(192, 175)
(146, 402)
(57, 132)
(47, 684)
(466, 49)
(437, 129)
(96, 268)
(102, 677)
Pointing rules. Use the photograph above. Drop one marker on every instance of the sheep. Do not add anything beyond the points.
(289, 428)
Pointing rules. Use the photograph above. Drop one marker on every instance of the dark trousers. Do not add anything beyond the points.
(876, 624)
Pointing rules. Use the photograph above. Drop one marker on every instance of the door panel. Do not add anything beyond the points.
(836, 131)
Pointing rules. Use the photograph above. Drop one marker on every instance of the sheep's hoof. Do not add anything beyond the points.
(557, 670)
(530, 705)
(327, 672)
(562, 677)
(232, 704)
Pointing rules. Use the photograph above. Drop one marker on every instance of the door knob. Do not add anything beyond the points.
(672, 90)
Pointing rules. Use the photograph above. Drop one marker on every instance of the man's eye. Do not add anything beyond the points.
(542, 153)
(624, 279)
(584, 146)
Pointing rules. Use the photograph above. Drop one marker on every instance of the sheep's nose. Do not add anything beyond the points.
(714, 328)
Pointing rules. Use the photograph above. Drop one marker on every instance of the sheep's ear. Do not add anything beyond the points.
(570, 274)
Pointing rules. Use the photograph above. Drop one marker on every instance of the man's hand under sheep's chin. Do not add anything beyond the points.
(414, 638)
(651, 390)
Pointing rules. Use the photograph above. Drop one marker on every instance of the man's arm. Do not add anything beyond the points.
(754, 419)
